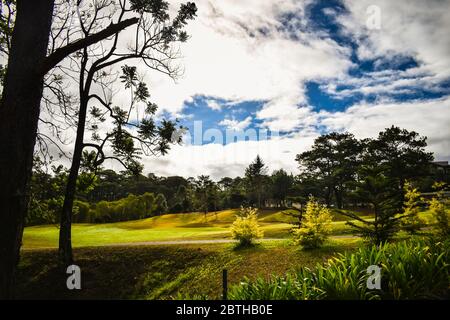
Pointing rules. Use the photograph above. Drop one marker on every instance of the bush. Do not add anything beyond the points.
(411, 207)
(315, 226)
(245, 228)
(80, 211)
(437, 207)
(416, 269)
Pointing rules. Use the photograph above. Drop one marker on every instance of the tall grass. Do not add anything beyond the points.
(415, 269)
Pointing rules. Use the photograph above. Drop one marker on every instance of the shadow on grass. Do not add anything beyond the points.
(247, 247)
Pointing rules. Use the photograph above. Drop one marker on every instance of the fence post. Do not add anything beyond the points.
(225, 283)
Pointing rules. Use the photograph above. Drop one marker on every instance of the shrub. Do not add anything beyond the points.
(437, 207)
(245, 228)
(81, 211)
(411, 221)
(315, 226)
(102, 212)
(416, 269)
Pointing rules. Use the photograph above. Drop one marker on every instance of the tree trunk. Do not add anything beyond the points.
(65, 231)
(19, 114)
(339, 198)
(328, 195)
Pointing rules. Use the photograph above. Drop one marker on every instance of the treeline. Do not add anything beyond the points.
(130, 208)
(339, 170)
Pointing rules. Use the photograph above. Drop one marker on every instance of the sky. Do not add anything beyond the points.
(268, 77)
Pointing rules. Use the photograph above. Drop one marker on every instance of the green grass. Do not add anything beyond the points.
(163, 272)
(171, 227)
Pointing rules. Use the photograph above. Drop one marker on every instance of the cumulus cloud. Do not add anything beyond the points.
(233, 124)
(241, 51)
(429, 118)
(229, 56)
(213, 104)
(413, 28)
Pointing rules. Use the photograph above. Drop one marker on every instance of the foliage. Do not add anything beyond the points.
(281, 186)
(438, 208)
(380, 193)
(130, 208)
(205, 194)
(332, 162)
(415, 269)
(372, 185)
(315, 225)
(245, 228)
(255, 178)
(337, 162)
(411, 207)
(7, 19)
(403, 154)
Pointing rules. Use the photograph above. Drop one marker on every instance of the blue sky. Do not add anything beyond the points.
(299, 69)
(319, 20)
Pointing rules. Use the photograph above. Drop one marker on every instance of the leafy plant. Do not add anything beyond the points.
(412, 222)
(245, 228)
(416, 269)
(440, 214)
(315, 226)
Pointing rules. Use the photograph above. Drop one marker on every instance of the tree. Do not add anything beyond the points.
(7, 15)
(46, 193)
(232, 192)
(332, 161)
(403, 154)
(245, 228)
(376, 188)
(28, 63)
(160, 204)
(154, 36)
(204, 189)
(255, 176)
(315, 226)
(281, 186)
(411, 207)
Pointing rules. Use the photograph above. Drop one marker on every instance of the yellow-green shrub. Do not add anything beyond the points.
(411, 221)
(440, 214)
(315, 226)
(245, 228)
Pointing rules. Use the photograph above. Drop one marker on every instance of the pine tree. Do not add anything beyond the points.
(255, 176)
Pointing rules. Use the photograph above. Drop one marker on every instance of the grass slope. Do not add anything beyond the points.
(188, 226)
(169, 227)
(162, 272)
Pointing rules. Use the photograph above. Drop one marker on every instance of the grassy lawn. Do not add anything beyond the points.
(190, 226)
(163, 272)
(169, 227)
(166, 271)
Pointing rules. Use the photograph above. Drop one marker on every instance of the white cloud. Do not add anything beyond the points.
(229, 58)
(431, 119)
(239, 53)
(233, 124)
(213, 104)
(414, 27)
